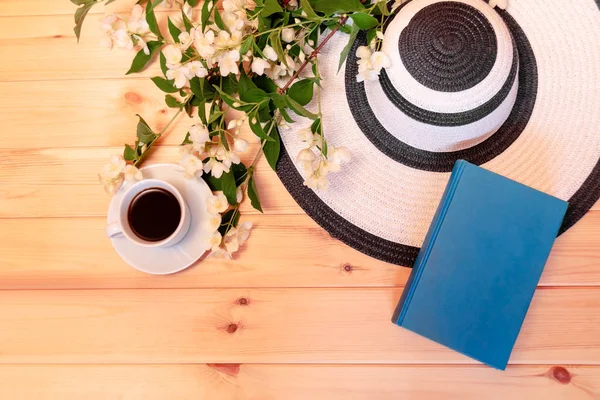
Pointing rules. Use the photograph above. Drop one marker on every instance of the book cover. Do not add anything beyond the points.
(480, 263)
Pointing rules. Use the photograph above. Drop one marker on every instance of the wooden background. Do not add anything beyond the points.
(297, 315)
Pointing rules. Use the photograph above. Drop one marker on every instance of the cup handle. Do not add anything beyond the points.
(113, 230)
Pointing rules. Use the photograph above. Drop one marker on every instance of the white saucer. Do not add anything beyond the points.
(168, 260)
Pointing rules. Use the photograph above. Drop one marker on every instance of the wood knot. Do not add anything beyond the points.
(58, 36)
(347, 267)
(229, 369)
(242, 301)
(163, 111)
(231, 328)
(560, 374)
(133, 98)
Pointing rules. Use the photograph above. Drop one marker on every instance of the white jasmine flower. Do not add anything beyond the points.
(231, 241)
(234, 5)
(197, 69)
(112, 186)
(317, 182)
(216, 168)
(259, 65)
(363, 52)
(228, 62)
(199, 136)
(185, 40)
(239, 194)
(192, 166)
(270, 53)
(214, 221)
(132, 173)
(306, 135)
(502, 4)
(380, 60)
(137, 21)
(214, 241)
(217, 203)
(185, 149)
(172, 55)
(220, 253)
(180, 75)
(240, 145)
(306, 155)
(288, 35)
(232, 21)
(204, 42)
(122, 39)
(243, 232)
(227, 157)
(114, 168)
(335, 157)
(380, 35)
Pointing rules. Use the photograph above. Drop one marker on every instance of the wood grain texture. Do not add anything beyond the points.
(297, 382)
(270, 326)
(284, 251)
(54, 7)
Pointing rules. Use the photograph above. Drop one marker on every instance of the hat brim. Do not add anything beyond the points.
(384, 199)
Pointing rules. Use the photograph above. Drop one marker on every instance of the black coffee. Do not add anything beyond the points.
(154, 214)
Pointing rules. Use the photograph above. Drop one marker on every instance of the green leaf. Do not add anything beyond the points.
(215, 116)
(329, 7)
(324, 148)
(151, 19)
(272, 149)
(253, 95)
(246, 44)
(364, 21)
(174, 31)
(351, 39)
(231, 217)
(257, 128)
(192, 3)
(129, 154)
(253, 195)
(266, 84)
(275, 40)
(230, 101)
(299, 109)
(229, 187)
(286, 116)
(80, 15)
(219, 21)
(310, 13)
(186, 22)
(205, 14)
(202, 113)
(164, 84)
(302, 91)
(202, 89)
(172, 102)
(141, 59)
(163, 64)
(371, 34)
(383, 8)
(144, 133)
(229, 84)
(271, 7)
(245, 83)
(239, 171)
(80, 2)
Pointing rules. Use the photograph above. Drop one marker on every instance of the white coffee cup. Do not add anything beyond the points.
(121, 226)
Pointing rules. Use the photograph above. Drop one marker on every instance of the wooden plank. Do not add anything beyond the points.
(22, 37)
(83, 113)
(283, 251)
(296, 382)
(270, 326)
(53, 7)
(33, 183)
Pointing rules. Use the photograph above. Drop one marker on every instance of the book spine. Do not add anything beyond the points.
(421, 260)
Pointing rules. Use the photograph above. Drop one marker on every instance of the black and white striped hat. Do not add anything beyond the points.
(516, 91)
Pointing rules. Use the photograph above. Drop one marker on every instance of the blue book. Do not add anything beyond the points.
(480, 263)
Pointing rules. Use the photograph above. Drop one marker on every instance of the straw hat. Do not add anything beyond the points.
(516, 91)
